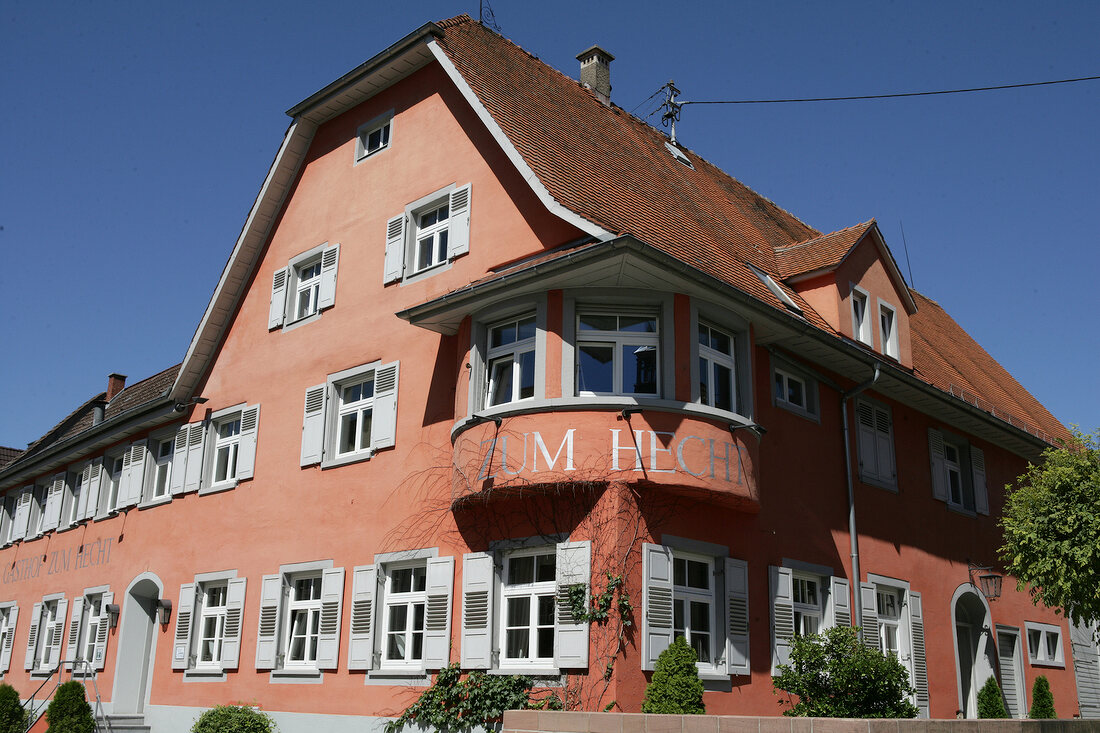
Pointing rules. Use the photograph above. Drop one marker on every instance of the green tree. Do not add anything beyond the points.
(990, 702)
(835, 675)
(1042, 700)
(69, 711)
(675, 687)
(12, 715)
(233, 719)
(1051, 528)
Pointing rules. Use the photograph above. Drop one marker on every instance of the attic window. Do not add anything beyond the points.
(679, 155)
(776, 290)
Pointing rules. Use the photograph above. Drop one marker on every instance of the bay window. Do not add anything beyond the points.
(511, 361)
(717, 371)
(617, 353)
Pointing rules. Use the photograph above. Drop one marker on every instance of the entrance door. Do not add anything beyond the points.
(968, 648)
(976, 649)
(134, 662)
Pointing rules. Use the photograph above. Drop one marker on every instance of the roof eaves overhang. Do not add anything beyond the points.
(84, 444)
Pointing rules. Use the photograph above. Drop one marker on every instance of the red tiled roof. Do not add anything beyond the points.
(7, 455)
(615, 171)
(947, 357)
(820, 252)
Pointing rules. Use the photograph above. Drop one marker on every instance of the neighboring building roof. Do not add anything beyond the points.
(7, 455)
(80, 419)
(947, 357)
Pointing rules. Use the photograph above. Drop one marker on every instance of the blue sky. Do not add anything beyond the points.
(136, 136)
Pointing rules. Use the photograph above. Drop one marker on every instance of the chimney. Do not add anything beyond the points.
(98, 411)
(596, 72)
(115, 384)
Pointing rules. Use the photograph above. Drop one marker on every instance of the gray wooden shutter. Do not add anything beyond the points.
(977, 469)
(7, 514)
(136, 480)
(869, 610)
(330, 260)
(277, 311)
(93, 488)
(185, 611)
(884, 442)
(737, 617)
(246, 449)
(73, 642)
(234, 611)
(57, 633)
(865, 429)
(267, 632)
(394, 265)
(99, 652)
(782, 603)
(939, 465)
(52, 514)
(332, 603)
(195, 444)
(81, 509)
(364, 586)
(437, 612)
(9, 641)
(920, 661)
(179, 461)
(313, 425)
(384, 427)
(656, 602)
(458, 240)
(32, 636)
(477, 610)
(1086, 666)
(574, 566)
(840, 602)
(22, 513)
(1006, 661)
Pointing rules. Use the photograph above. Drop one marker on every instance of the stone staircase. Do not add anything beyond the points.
(122, 723)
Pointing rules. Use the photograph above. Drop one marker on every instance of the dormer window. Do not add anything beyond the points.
(861, 322)
(888, 330)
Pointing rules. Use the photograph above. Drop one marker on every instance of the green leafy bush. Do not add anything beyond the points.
(1042, 701)
(12, 715)
(455, 703)
(990, 702)
(675, 687)
(233, 719)
(835, 676)
(69, 711)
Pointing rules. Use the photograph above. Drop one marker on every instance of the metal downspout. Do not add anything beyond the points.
(853, 536)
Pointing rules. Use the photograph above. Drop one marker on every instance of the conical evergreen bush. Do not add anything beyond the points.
(675, 688)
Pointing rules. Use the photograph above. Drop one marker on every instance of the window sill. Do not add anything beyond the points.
(1049, 665)
(408, 678)
(426, 272)
(345, 460)
(956, 509)
(204, 675)
(890, 486)
(359, 159)
(155, 502)
(800, 411)
(291, 325)
(528, 671)
(216, 488)
(303, 676)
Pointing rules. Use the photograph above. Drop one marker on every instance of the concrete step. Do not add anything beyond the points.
(122, 723)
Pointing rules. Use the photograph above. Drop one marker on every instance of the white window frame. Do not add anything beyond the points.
(809, 618)
(7, 630)
(312, 609)
(75, 485)
(113, 481)
(287, 287)
(382, 123)
(358, 410)
(890, 626)
(862, 329)
(1048, 635)
(405, 232)
(322, 418)
(49, 625)
(204, 611)
(510, 355)
(710, 359)
(618, 339)
(480, 374)
(40, 498)
(968, 464)
(229, 444)
(410, 600)
(431, 237)
(534, 592)
(89, 626)
(8, 506)
(684, 595)
(307, 282)
(785, 373)
(160, 465)
(277, 605)
(888, 329)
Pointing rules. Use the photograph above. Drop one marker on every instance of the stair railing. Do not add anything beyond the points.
(33, 710)
(88, 672)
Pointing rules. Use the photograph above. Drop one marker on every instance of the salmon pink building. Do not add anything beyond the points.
(487, 342)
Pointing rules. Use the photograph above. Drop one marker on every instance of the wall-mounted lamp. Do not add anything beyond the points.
(757, 430)
(164, 611)
(112, 615)
(181, 406)
(989, 583)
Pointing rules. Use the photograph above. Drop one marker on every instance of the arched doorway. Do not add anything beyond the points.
(975, 647)
(136, 644)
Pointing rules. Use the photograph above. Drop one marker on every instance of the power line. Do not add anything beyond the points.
(651, 96)
(892, 96)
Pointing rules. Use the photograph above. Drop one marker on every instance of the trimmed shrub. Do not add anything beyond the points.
(233, 719)
(69, 711)
(1042, 701)
(12, 715)
(835, 676)
(675, 687)
(990, 702)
